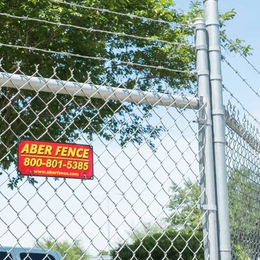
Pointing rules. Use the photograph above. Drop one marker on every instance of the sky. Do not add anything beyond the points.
(244, 26)
(244, 85)
(94, 201)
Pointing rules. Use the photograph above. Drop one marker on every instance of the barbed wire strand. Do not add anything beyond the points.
(241, 77)
(239, 102)
(26, 18)
(119, 13)
(132, 64)
(243, 56)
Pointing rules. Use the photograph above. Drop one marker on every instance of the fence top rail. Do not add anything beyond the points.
(73, 88)
(244, 133)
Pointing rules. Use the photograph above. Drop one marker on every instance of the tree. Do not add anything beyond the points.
(244, 210)
(69, 251)
(184, 205)
(170, 245)
(184, 223)
(243, 188)
(145, 229)
(57, 35)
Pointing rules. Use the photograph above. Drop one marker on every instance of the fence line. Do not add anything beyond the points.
(242, 156)
(166, 175)
(243, 132)
(136, 106)
(141, 176)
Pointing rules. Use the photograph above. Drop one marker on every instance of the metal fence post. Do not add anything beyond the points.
(206, 144)
(218, 116)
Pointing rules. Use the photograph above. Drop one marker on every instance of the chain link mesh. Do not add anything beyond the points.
(242, 155)
(243, 180)
(125, 85)
(146, 184)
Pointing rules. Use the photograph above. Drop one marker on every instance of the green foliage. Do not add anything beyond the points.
(14, 181)
(50, 117)
(232, 45)
(244, 209)
(239, 253)
(113, 59)
(146, 229)
(183, 238)
(170, 245)
(151, 241)
(69, 251)
(104, 253)
(184, 205)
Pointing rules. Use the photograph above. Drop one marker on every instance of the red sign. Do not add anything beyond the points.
(51, 159)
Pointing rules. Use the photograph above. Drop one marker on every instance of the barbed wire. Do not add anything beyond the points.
(120, 62)
(242, 55)
(241, 77)
(89, 29)
(239, 102)
(121, 14)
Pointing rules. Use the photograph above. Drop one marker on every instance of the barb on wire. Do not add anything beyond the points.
(120, 62)
(242, 55)
(102, 10)
(236, 99)
(89, 29)
(244, 129)
(241, 77)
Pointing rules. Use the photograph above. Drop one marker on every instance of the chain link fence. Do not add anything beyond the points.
(146, 176)
(243, 181)
(242, 156)
(140, 115)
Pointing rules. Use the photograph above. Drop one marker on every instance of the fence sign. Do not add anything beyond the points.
(52, 159)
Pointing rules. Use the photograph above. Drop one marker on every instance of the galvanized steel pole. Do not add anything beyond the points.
(208, 181)
(218, 116)
(55, 86)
